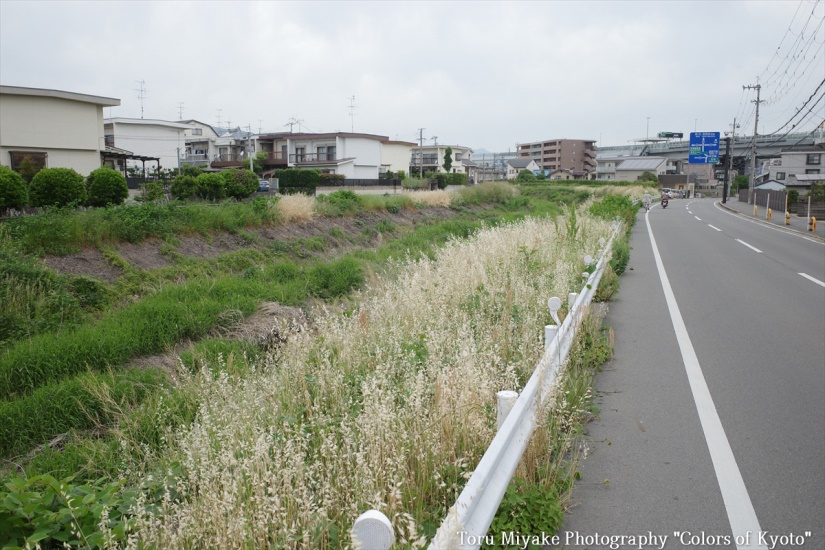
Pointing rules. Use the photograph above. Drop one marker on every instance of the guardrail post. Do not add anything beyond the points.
(373, 531)
(505, 401)
(550, 332)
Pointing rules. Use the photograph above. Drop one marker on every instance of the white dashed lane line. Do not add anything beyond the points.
(698, 218)
(749, 246)
(817, 281)
(714, 227)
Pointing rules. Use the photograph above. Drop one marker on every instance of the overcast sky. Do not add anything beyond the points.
(481, 74)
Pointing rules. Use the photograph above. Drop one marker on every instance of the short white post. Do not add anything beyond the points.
(571, 301)
(506, 400)
(373, 531)
(550, 332)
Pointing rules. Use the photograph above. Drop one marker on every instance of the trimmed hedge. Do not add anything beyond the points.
(306, 180)
(211, 187)
(13, 193)
(57, 187)
(444, 180)
(240, 183)
(106, 187)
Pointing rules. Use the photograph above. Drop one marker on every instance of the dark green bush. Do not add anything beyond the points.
(304, 180)
(13, 193)
(184, 186)
(793, 196)
(57, 187)
(240, 183)
(210, 187)
(106, 187)
(151, 191)
(332, 179)
(342, 202)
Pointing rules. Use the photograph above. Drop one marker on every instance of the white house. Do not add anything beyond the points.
(147, 137)
(200, 139)
(432, 158)
(356, 156)
(54, 128)
(795, 162)
(514, 166)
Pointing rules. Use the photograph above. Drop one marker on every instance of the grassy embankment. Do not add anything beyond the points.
(139, 429)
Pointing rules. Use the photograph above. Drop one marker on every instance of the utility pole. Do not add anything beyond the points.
(421, 151)
(752, 182)
(727, 171)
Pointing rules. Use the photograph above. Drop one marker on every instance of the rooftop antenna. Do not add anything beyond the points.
(141, 94)
(260, 125)
(219, 118)
(435, 140)
(180, 110)
(352, 113)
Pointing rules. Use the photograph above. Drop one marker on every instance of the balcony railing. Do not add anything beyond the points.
(275, 157)
(311, 157)
(194, 160)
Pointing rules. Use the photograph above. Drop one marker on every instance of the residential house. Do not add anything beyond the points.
(200, 141)
(562, 174)
(159, 139)
(233, 149)
(632, 168)
(54, 128)
(355, 155)
(606, 167)
(794, 162)
(514, 166)
(576, 155)
(431, 157)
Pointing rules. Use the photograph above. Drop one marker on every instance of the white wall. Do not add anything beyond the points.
(149, 140)
(396, 156)
(70, 132)
(367, 153)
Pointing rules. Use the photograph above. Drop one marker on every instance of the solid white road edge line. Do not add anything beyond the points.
(749, 246)
(718, 206)
(738, 505)
(714, 227)
(817, 281)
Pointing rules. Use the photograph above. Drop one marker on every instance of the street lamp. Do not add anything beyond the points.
(647, 130)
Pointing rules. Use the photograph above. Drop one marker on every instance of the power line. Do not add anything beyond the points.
(800, 109)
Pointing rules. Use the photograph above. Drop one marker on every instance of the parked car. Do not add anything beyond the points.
(263, 185)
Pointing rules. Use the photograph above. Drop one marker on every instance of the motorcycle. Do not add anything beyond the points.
(664, 203)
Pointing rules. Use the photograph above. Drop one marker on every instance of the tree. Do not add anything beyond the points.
(13, 192)
(649, 176)
(28, 168)
(525, 175)
(448, 159)
(106, 187)
(210, 187)
(240, 183)
(183, 186)
(57, 187)
(740, 182)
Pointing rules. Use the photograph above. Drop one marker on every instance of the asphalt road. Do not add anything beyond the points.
(712, 415)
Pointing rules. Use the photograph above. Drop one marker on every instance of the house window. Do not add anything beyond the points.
(812, 171)
(197, 131)
(321, 152)
(814, 158)
(109, 140)
(331, 152)
(29, 157)
(458, 156)
(300, 154)
(780, 176)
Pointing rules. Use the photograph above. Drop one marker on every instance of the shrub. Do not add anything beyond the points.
(183, 186)
(240, 183)
(29, 167)
(793, 196)
(332, 179)
(401, 174)
(57, 187)
(298, 179)
(106, 187)
(210, 187)
(340, 202)
(12, 189)
(189, 170)
(152, 191)
(525, 175)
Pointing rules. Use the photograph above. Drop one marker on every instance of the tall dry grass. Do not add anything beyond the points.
(389, 406)
(433, 198)
(296, 208)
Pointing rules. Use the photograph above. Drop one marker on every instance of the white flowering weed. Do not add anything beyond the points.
(389, 406)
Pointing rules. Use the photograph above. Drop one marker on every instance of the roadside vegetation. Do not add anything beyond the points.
(358, 399)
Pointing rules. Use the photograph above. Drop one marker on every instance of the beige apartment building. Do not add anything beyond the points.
(576, 155)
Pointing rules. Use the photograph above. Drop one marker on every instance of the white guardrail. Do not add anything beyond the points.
(470, 517)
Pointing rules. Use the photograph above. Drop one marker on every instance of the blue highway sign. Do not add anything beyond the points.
(704, 148)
